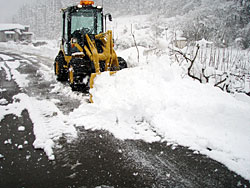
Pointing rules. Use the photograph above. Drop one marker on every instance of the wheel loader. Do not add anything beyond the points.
(86, 50)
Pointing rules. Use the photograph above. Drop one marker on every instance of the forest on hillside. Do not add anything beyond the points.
(224, 22)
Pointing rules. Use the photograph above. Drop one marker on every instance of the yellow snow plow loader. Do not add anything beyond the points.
(86, 50)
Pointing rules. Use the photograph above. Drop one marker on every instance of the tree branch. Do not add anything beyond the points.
(191, 63)
(138, 57)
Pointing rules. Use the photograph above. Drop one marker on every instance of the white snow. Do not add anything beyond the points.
(50, 50)
(4, 27)
(9, 32)
(7, 71)
(154, 103)
(2, 90)
(3, 101)
(47, 119)
(151, 100)
(21, 79)
(204, 42)
(8, 142)
(10, 68)
(28, 157)
(157, 104)
(5, 57)
(20, 147)
(21, 128)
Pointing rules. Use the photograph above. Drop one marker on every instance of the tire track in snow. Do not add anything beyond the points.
(48, 121)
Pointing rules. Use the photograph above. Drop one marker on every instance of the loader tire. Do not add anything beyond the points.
(122, 63)
(79, 74)
(60, 72)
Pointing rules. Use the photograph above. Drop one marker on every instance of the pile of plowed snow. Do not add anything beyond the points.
(154, 103)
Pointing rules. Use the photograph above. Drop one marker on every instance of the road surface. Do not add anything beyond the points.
(96, 158)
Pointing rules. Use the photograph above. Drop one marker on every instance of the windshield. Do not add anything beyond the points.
(86, 21)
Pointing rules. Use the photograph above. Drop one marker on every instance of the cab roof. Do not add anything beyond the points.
(79, 6)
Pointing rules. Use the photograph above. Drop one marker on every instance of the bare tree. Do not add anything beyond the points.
(138, 54)
(192, 75)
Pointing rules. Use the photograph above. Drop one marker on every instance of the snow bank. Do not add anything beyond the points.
(152, 102)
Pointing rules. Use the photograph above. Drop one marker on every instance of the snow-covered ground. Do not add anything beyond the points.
(150, 101)
(156, 104)
(49, 50)
(47, 118)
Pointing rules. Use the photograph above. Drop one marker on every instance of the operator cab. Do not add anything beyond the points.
(86, 21)
(78, 21)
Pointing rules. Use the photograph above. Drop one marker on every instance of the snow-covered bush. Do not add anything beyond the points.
(226, 68)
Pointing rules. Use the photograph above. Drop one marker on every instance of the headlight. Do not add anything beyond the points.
(74, 40)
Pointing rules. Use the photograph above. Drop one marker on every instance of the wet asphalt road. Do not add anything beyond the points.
(96, 158)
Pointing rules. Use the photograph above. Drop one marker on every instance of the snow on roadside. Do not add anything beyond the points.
(7, 71)
(21, 79)
(3, 101)
(5, 57)
(67, 91)
(152, 102)
(10, 68)
(50, 50)
(49, 122)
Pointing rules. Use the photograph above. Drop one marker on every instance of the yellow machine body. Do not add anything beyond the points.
(86, 50)
(108, 55)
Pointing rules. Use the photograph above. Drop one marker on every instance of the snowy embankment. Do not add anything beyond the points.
(152, 101)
